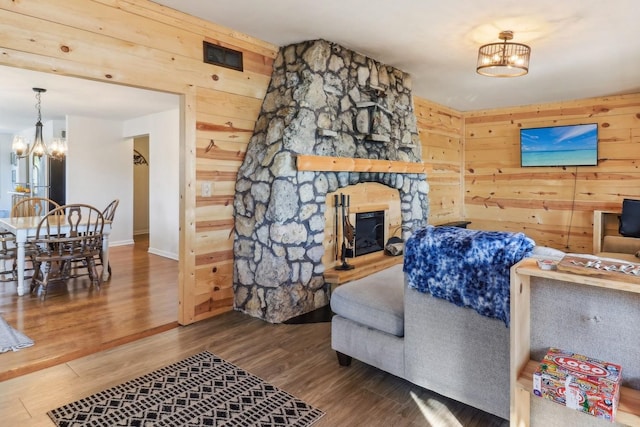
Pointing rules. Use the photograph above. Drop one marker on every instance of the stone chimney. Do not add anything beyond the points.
(322, 100)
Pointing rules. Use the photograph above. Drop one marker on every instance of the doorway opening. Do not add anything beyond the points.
(99, 168)
(141, 185)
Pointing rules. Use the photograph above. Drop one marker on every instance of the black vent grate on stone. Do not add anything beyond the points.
(222, 56)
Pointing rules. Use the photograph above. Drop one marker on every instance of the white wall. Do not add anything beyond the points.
(5, 171)
(98, 168)
(164, 165)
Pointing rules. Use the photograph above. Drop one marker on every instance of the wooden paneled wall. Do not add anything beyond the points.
(142, 44)
(441, 135)
(553, 205)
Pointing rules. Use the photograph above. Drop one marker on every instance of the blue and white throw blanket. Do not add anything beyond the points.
(469, 268)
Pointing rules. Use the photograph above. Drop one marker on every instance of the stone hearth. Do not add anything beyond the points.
(324, 100)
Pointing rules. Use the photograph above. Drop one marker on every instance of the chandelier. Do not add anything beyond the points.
(56, 150)
(504, 59)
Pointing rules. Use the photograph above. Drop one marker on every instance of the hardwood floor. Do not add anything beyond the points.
(297, 358)
(87, 341)
(140, 299)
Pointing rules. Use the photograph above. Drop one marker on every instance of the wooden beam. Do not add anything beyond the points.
(348, 164)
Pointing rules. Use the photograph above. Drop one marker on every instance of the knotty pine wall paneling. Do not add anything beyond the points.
(142, 44)
(553, 205)
(441, 132)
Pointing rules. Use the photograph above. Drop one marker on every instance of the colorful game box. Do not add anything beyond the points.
(579, 382)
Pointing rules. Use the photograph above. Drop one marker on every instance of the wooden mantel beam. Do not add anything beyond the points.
(347, 164)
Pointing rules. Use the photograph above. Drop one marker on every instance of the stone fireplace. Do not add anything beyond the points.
(323, 100)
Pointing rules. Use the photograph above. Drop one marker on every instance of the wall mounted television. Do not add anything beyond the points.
(572, 145)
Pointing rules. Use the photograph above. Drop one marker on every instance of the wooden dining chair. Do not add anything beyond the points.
(8, 255)
(109, 214)
(30, 206)
(110, 211)
(33, 206)
(65, 235)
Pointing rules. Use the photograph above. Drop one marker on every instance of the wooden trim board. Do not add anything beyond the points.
(347, 164)
(582, 265)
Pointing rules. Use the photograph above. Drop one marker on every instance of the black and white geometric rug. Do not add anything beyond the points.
(202, 390)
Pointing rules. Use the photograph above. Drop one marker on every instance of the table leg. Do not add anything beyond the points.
(20, 267)
(105, 257)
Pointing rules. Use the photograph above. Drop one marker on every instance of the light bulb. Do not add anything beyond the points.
(19, 145)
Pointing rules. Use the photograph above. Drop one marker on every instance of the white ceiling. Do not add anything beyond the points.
(71, 96)
(580, 49)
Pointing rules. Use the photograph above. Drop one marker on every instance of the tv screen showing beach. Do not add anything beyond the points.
(575, 145)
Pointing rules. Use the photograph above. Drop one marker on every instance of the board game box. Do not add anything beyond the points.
(579, 382)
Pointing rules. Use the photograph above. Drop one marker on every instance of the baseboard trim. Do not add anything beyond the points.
(121, 242)
(164, 254)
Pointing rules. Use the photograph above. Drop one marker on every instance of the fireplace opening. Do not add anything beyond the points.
(369, 233)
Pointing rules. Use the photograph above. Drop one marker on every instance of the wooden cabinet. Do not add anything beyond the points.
(522, 367)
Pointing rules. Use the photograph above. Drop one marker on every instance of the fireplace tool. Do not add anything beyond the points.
(336, 226)
(347, 233)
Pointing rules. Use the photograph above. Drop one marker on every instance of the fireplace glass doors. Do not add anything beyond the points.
(369, 236)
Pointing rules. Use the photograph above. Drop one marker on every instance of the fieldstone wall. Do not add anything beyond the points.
(325, 100)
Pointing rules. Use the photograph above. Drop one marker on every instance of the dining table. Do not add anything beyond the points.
(25, 227)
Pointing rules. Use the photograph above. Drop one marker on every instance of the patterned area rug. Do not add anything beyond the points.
(202, 390)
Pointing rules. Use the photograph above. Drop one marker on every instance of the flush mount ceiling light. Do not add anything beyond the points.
(503, 59)
(56, 150)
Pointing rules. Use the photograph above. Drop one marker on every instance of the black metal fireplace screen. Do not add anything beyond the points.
(369, 233)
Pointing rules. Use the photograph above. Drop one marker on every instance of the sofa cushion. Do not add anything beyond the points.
(375, 301)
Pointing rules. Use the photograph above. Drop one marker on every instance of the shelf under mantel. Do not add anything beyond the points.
(307, 162)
